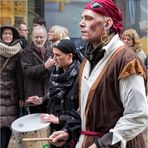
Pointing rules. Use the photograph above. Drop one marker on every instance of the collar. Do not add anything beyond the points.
(113, 44)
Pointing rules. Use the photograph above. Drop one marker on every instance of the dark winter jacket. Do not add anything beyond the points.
(63, 95)
(35, 74)
(10, 80)
(24, 42)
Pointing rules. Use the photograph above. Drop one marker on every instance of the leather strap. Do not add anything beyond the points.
(4, 65)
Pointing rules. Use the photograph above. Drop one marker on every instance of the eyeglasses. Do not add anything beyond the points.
(95, 5)
(8, 33)
(24, 30)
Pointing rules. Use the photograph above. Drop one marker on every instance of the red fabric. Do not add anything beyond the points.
(91, 133)
(41, 51)
(73, 144)
(108, 9)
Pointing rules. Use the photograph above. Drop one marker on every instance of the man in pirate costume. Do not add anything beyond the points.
(113, 106)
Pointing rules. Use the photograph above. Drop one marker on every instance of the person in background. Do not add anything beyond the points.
(112, 85)
(39, 21)
(23, 31)
(146, 61)
(11, 82)
(131, 39)
(36, 62)
(56, 33)
(63, 95)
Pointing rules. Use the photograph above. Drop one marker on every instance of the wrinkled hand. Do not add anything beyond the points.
(93, 146)
(35, 100)
(58, 138)
(50, 118)
(50, 62)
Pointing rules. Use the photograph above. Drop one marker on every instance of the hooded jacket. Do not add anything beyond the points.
(11, 78)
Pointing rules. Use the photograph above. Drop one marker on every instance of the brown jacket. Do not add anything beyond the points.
(104, 107)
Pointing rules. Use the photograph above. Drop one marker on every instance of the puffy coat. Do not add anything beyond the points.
(9, 91)
(10, 83)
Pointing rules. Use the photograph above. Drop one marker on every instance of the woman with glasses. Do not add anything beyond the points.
(10, 81)
(112, 80)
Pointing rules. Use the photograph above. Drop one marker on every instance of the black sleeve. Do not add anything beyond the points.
(19, 79)
(64, 118)
(31, 69)
(106, 141)
(72, 124)
(45, 99)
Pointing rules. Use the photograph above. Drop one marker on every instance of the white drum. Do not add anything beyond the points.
(30, 126)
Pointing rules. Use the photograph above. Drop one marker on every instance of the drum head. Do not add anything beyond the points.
(29, 123)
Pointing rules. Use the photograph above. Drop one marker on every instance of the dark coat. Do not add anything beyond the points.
(24, 42)
(101, 116)
(61, 103)
(35, 74)
(10, 81)
(61, 108)
(11, 84)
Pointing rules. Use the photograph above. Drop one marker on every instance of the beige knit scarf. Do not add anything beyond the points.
(9, 51)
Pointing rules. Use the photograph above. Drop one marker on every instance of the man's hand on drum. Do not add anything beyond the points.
(50, 118)
(35, 100)
(58, 138)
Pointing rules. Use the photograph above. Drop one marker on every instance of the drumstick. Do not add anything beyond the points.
(35, 139)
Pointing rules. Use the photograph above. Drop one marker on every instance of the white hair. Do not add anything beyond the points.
(37, 28)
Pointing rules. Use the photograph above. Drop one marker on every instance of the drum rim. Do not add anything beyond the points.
(13, 125)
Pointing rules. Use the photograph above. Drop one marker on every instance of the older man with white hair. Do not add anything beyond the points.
(36, 61)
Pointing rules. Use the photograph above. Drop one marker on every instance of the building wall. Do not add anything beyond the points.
(13, 11)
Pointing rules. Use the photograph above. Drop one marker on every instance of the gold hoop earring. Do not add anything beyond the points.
(105, 39)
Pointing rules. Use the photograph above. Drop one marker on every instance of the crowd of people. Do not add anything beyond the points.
(95, 101)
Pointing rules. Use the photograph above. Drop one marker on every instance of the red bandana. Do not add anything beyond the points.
(107, 8)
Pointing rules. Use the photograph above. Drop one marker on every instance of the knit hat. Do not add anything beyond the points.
(66, 46)
(107, 8)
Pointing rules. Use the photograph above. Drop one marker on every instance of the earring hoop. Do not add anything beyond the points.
(105, 39)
